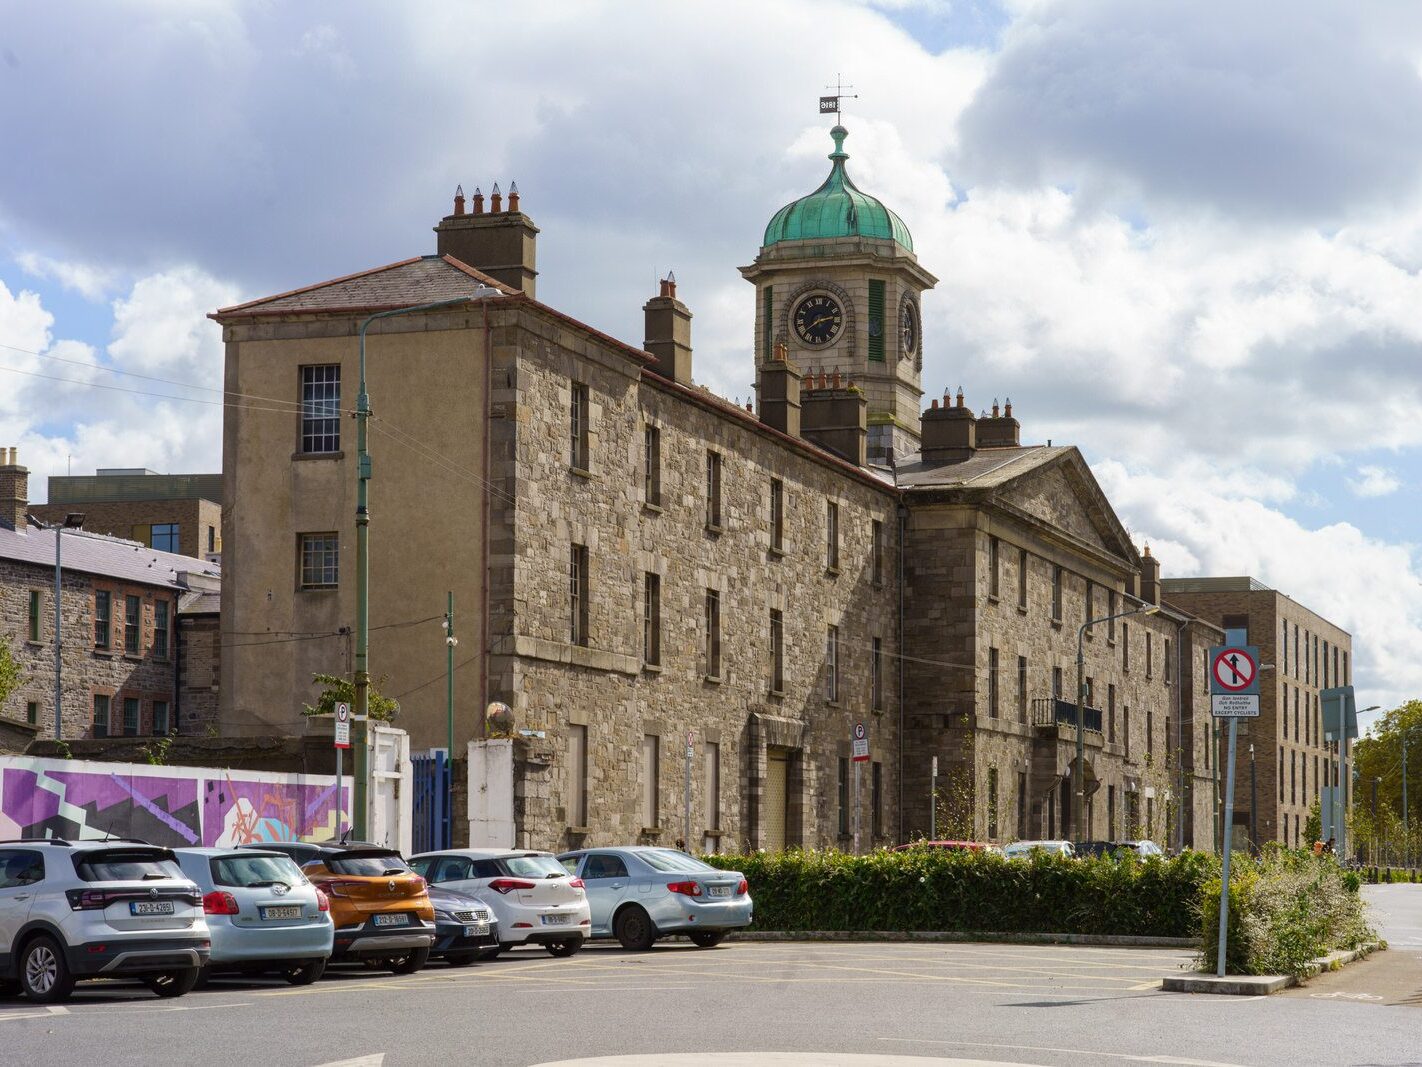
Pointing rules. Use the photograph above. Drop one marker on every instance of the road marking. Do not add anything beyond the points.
(1178, 1061)
(375, 1059)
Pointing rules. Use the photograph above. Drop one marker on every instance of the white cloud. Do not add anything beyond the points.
(1375, 481)
(89, 281)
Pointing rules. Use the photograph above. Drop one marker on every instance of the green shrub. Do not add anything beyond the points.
(1285, 910)
(937, 889)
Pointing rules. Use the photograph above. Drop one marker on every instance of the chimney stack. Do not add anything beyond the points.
(779, 390)
(1150, 577)
(1001, 430)
(459, 200)
(948, 434)
(502, 244)
(14, 489)
(668, 325)
(835, 417)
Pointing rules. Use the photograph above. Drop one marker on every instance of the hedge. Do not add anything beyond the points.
(965, 892)
(1389, 875)
(1286, 908)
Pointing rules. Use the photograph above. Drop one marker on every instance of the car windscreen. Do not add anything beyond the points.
(256, 870)
(534, 867)
(666, 859)
(126, 865)
(367, 864)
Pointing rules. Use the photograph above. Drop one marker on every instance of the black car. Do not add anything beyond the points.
(465, 927)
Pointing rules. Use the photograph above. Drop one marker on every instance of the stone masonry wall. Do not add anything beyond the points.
(606, 687)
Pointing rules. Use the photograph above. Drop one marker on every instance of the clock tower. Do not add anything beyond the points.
(838, 286)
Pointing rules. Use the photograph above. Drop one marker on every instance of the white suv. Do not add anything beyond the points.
(97, 909)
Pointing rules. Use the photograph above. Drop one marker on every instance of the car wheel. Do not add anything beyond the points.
(706, 938)
(634, 929)
(44, 974)
(410, 963)
(490, 953)
(564, 948)
(460, 959)
(173, 983)
(305, 972)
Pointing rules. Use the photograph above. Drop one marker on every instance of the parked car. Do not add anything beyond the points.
(380, 907)
(465, 927)
(638, 894)
(533, 898)
(1144, 848)
(1023, 849)
(1116, 849)
(97, 909)
(952, 846)
(262, 913)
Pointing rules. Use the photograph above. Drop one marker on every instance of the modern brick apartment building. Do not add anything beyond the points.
(179, 513)
(637, 563)
(1307, 653)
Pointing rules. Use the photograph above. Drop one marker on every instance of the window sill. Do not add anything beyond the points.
(651, 668)
(715, 529)
(711, 679)
(833, 704)
(104, 653)
(831, 572)
(318, 589)
(1022, 609)
(1056, 624)
(776, 553)
(650, 508)
(877, 711)
(304, 456)
(34, 644)
(580, 472)
(776, 694)
(579, 831)
(136, 657)
(993, 598)
(718, 834)
(1111, 642)
(651, 831)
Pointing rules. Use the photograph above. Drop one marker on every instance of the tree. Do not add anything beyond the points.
(1313, 823)
(336, 690)
(9, 671)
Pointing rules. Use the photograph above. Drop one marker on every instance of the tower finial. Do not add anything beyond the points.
(839, 133)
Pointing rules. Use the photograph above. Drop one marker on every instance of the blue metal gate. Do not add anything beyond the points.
(434, 827)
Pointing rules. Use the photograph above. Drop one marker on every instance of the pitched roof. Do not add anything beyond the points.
(108, 557)
(420, 280)
(987, 468)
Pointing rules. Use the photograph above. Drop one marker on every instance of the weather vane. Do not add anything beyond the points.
(830, 104)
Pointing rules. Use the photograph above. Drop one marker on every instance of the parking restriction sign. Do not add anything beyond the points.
(343, 725)
(1234, 682)
(861, 743)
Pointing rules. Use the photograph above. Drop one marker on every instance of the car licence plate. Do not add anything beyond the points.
(284, 911)
(477, 930)
(557, 920)
(150, 907)
(718, 890)
(399, 919)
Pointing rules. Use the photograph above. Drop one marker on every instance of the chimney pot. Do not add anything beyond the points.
(935, 403)
(478, 201)
(835, 380)
(513, 196)
(459, 200)
(496, 200)
(994, 407)
(1007, 411)
(960, 396)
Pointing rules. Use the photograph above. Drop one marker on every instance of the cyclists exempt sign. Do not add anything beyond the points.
(1234, 682)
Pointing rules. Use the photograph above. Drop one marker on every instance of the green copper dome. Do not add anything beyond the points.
(836, 209)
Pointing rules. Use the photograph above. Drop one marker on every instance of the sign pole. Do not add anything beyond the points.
(933, 800)
(856, 807)
(341, 740)
(686, 799)
(1225, 837)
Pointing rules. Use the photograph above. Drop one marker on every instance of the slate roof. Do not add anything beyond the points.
(421, 280)
(988, 468)
(108, 557)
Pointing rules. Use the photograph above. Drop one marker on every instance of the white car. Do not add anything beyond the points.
(534, 898)
(1022, 849)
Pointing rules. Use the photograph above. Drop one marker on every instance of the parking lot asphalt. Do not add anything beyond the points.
(939, 1003)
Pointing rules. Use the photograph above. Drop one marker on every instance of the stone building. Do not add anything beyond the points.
(121, 652)
(666, 586)
(1290, 760)
(179, 513)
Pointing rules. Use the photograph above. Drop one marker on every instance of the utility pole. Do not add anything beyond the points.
(360, 801)
(450, 641)
(1376, 780)
(1253, 803)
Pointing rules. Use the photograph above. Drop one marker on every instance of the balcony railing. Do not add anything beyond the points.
(1049, 711)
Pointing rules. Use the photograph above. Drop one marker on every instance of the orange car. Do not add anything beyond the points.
(381, 908)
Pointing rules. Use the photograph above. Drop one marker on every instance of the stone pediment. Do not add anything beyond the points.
(1064, 494)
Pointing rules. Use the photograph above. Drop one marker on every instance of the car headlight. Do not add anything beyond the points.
(443, 915)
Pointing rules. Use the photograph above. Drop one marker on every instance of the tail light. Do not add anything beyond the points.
(508, 885)
(420, 884)
(576, 883)
(340, 889)
(743, 888)
(87, 899)
(323, 902)
(99, 899)
(220, 904)
(690, 889)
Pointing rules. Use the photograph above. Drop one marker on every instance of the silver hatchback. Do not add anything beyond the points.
(262, 913)
(639, 893)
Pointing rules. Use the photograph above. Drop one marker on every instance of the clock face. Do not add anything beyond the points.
(818, 319)
(908, 328)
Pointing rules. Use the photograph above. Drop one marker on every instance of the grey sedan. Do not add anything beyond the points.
(638, 894)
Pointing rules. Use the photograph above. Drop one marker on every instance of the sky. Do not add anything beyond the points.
(1186, 238)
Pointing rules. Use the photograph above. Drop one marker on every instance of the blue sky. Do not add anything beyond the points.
(1185, 238)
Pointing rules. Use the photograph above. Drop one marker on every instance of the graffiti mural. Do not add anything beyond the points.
(172, 806)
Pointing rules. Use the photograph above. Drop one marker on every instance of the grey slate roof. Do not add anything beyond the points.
(108, 557)
(988, 468)
(422, 280)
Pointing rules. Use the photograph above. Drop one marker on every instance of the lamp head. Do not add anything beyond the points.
(1150, 609)
(74, 520)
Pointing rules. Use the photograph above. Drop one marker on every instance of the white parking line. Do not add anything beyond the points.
(1178, 1061)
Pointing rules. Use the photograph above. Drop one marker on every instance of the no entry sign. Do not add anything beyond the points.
(1234, 682)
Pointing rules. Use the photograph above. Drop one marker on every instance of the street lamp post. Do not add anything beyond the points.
(1253, 803)
(362, 649)
(72, 521)
(1079, 778)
